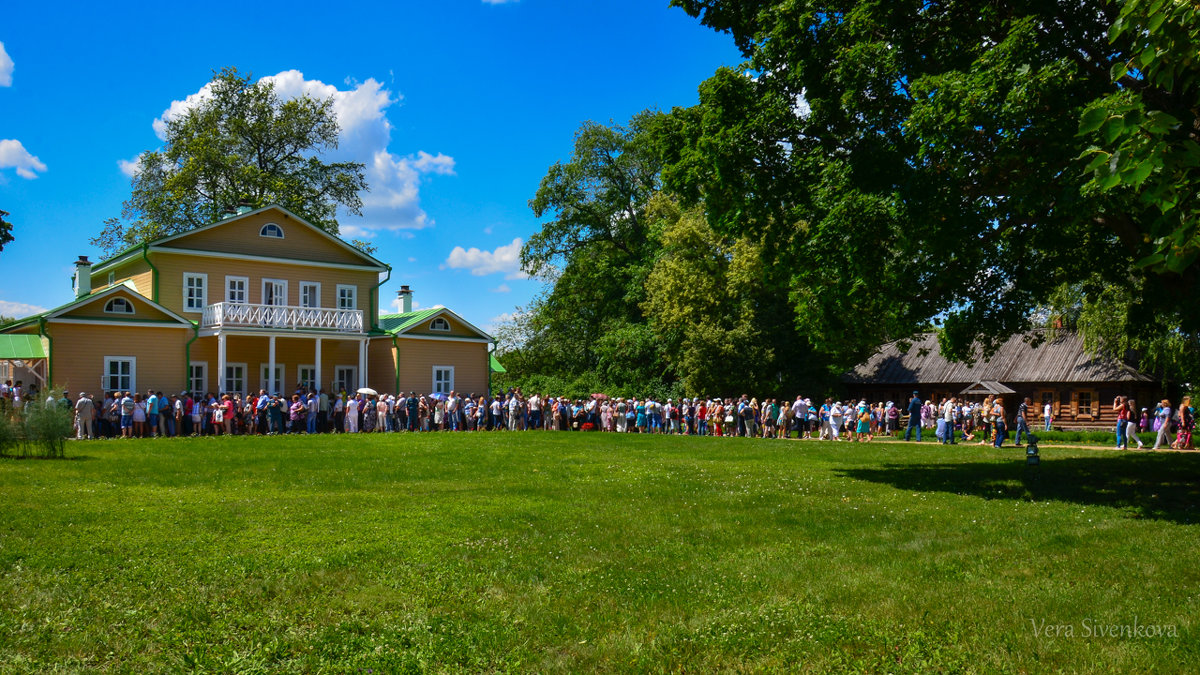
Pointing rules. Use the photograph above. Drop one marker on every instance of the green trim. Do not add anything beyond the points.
(153, 273)
(119, 319)
(373, 295)
(187, 358)
(49, 352)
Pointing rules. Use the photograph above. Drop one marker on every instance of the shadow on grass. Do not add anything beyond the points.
(22, 458)
(1159, 486)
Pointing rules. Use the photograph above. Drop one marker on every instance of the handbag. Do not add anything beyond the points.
(729, 419)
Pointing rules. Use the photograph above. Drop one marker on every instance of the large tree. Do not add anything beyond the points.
(951, 160)
(5, 229)
(240, 144)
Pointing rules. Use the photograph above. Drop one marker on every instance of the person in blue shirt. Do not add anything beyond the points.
(914, 417)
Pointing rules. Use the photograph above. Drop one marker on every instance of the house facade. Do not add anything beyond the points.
(1080, 387)
(259, 300)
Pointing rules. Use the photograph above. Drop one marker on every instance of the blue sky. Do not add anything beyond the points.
(457, 107)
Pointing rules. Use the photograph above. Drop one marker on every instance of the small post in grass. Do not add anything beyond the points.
(1032, 458)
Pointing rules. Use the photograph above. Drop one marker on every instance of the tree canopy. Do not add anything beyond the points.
(952, 161)
(5, 229)
(240, 144)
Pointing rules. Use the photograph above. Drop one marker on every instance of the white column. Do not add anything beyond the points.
(317, 364)
(271, 367)
(220, 363)
(362, 362)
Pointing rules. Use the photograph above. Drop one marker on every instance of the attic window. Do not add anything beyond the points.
(439, 324)
(271, 230)
(118, 306)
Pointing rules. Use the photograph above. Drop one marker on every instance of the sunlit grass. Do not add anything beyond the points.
(592, 552)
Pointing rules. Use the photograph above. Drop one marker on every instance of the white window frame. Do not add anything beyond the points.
(354, 374)
(245, 290)
(434, 325)
(108, 360)
(264, 379)
(203, 379)
(312, 385)
(449, 384)
(187, 306)
(353, 296)
(226, 380)
(263, 229)
(285, 291)
(111, 302)
(304, 285)
(112, 278)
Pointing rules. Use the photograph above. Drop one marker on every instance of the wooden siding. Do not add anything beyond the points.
(381, 366)
(142, 310)
(418, 357)
(79, 351)
(134, 269)
(241, 235)
(290, 354)
(173, 266)
(457, 329)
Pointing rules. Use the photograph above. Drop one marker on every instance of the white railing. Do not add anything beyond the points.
(236, 314)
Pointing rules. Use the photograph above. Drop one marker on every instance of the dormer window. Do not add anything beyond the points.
(271, 230)
(439, 324)
(118, 306)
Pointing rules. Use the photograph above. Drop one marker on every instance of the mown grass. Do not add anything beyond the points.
(574, 553)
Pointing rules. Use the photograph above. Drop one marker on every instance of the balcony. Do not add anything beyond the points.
(281, 317)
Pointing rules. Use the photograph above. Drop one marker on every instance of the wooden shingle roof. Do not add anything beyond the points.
(1062, 359)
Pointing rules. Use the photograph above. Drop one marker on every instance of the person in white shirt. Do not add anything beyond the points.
(948, 416)
(835, 420)
(1048, 415)
(352, 415)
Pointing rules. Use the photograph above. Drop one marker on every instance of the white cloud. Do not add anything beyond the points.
(412, 259)
(19, 309)
(14, 155)
(355, 232)
(500, 2)
(502, 288)
(130, 167)
(504, 259)
(6, 67)
(393, 202)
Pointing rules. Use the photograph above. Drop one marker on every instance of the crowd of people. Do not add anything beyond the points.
(137, 415)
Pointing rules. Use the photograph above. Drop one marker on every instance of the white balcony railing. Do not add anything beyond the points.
(240, 315)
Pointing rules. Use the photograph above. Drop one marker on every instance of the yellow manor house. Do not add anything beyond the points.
(261, 299)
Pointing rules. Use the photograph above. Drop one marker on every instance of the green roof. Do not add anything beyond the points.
(21, 347)
(395, 323)
(496, 367)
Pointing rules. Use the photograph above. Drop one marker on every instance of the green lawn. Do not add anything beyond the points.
(590, 552)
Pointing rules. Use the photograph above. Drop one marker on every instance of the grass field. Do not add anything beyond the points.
(592, 552)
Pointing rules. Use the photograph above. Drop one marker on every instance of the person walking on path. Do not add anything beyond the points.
(914, 417)
(1000, 426)
(1164, 423)
(1022, 423)
(1187, 420)
(1131, 423)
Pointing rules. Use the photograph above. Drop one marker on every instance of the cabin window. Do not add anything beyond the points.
(235, 378)
(439, 324)
(271, 230)
(195, 292)
(198, 377)
(443, 379)
(118, 306)
(347, 297)
(310, 294)
(235, 289)
(120, 373)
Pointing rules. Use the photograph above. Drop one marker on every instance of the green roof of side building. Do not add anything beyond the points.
(21, 347)
(395, 323)
(496, 367)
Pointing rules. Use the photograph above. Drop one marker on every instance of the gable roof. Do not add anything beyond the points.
(125, 285)
(370, 260)
(399, 324)
(1062, 359)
